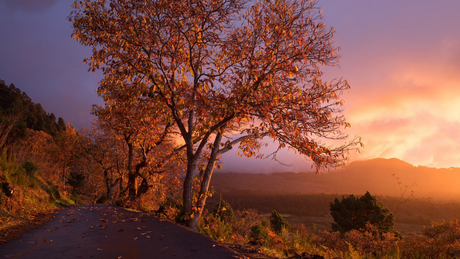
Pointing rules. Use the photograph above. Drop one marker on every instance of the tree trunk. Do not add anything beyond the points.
(205, 183)
(131, 174)
(188, 189)
(110, 185)
(107, 184)
(63, 176)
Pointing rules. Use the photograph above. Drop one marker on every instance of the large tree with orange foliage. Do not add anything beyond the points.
(225, 72)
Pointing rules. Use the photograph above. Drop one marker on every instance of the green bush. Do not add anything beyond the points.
(216, 228)
(223, 211)
(30, 168)
(353, 213)
(278, 223)
(259, 231)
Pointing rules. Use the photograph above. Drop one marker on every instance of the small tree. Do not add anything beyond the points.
(277, 222)
(354, 213)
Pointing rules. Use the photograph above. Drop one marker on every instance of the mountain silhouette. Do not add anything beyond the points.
(379, 176)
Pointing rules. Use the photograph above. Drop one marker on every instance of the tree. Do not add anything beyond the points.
(143, 129)
(7, 122)
(225, 74)
(39, 147)
(65, 150)
(278, 223)
(353, 213)
(107, 151)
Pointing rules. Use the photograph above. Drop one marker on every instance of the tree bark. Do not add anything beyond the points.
(188, 189)
(131, 174)
(205, 183)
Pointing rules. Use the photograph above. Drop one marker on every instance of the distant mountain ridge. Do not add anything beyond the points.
(383, 162)
(391, 177)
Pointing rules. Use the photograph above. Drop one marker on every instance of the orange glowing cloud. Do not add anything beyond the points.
(412, 111)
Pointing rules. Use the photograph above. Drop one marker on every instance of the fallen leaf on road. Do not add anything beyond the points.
(135, 238)
(100, 249)
(148, 236)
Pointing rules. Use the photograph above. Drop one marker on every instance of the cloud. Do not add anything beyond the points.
(412, 111)
(29, 5)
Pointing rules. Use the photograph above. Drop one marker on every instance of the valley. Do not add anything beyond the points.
(415, 195)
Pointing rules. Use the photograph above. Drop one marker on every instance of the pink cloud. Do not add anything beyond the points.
(406, 105)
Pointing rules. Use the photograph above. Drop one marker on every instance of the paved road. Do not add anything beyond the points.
(106, 231)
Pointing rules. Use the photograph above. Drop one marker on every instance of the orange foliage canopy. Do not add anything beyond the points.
(221, 67)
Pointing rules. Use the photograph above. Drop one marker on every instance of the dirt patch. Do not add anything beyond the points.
(35, 221)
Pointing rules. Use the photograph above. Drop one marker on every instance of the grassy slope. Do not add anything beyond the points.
(32, 202)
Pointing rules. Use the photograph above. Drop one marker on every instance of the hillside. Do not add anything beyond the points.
(379, 176)
(34, 180)
(18, 112)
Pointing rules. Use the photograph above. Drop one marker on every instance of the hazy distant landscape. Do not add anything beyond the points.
(416, 195)
(378, 176)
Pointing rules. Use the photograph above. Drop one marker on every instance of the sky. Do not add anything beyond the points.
(401, 58)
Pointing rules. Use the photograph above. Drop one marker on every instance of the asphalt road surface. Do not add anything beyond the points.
(106, 231)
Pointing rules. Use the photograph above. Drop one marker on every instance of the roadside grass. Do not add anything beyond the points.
(33, 198)
(261, 233)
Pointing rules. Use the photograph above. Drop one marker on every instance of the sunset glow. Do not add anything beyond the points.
(400, 58)
(403, 70)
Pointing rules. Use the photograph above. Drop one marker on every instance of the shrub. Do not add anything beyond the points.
(278, 223)
(224, 211)
(440, 240)
(366, 241)
(216, 228)
(30, 168)
(353, 213)
(259, 231)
